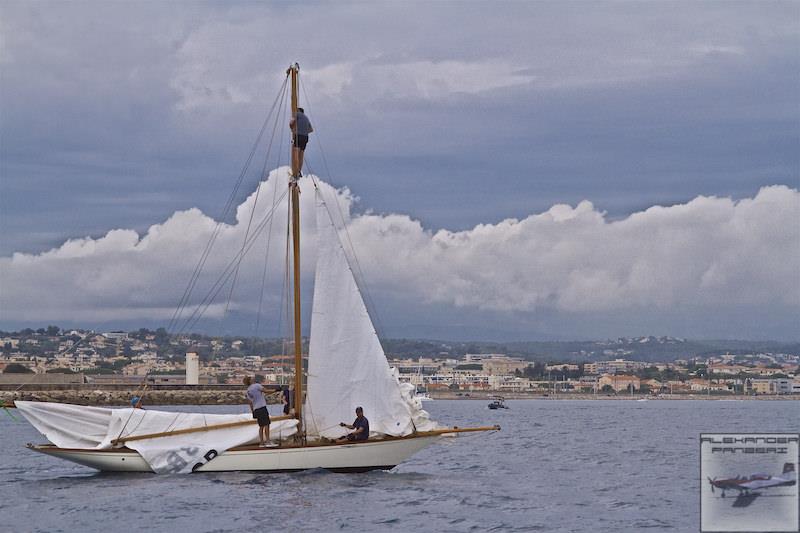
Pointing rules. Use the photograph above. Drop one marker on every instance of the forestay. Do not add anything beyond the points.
(76, 426)
(347, 367)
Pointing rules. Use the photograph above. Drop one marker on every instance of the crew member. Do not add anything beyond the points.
(301, 129)
(287, 400)
(258, 405)
(360, 425)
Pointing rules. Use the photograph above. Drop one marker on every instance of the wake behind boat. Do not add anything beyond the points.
(342, 338)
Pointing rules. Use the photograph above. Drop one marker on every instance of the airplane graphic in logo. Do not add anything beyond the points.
(746, 485)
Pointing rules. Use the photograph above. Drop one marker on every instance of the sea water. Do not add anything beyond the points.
(557, 465)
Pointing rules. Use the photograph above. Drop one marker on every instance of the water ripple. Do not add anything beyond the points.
(608, 466)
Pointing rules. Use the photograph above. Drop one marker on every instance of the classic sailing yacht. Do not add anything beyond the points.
(346, 367)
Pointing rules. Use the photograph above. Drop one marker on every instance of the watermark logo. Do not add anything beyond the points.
(749, 482)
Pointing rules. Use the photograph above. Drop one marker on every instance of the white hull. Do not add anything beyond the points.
(348, 457)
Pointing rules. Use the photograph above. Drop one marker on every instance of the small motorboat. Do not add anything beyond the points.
(498, 403)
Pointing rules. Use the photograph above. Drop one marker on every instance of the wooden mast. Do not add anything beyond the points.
(295, 201)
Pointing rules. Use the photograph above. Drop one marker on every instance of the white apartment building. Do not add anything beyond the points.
(617, 366)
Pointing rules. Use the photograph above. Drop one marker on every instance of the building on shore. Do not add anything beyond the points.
(192, 369)
(617, 366)
(619, 382)
(772, 386)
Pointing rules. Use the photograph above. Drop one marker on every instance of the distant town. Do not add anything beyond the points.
(55, 356)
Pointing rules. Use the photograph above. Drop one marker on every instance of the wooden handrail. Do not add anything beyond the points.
(285, 417)
(193, 430)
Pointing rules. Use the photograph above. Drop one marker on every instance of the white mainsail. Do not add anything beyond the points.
(346, 364)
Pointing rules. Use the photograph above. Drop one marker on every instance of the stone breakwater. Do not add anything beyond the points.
(123, 397)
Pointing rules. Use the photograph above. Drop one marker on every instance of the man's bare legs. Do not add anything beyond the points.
(297, 161)
(300, 154)
(263, 434)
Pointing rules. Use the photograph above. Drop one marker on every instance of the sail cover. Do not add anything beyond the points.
(78, 426)
(346, 364)
(67, 425)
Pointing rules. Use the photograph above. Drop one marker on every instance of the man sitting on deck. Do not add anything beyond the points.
(361, 426)
(258, 405)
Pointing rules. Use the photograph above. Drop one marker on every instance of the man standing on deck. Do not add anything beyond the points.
(258, 405)
(361, 426)
(301, 129)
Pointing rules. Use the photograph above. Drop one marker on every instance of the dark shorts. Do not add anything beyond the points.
(300, 141)
(286, 408)
(262, 416)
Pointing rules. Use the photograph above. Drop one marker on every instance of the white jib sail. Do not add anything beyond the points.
(346, 364)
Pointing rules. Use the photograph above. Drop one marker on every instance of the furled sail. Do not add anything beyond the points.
(346, 364)
(78, 426)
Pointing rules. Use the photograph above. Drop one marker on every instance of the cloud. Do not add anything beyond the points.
(627, 105)
(712, 252)
(117, 116)
(426, 80)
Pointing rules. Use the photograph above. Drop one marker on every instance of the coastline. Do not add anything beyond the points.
(123, 397)
(234, 395)
(588, 396)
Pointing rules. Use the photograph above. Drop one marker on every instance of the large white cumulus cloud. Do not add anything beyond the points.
(710, 252)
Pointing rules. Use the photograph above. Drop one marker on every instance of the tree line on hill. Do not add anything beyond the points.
(649, 349)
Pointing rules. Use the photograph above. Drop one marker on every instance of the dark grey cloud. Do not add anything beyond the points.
(117, 115)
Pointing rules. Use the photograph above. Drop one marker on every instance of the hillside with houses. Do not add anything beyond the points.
(52, 355)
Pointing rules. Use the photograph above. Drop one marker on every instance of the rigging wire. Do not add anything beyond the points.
(255, 204)
(285, 306)
(226, 274)
(281, 113)
(353, 263)
(222, 280)
(266, 257)
(360, 278)
(184, 300)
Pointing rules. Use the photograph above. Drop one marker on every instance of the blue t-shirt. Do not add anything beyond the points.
(256, 396)
(302, 124)
(362, 423)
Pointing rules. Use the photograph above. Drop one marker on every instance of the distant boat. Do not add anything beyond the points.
(498, 403)
(423, 397)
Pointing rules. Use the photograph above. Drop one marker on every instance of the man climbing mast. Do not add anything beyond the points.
(300, 126)
(301, 129)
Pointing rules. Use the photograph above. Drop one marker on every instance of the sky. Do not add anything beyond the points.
(513, 171)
